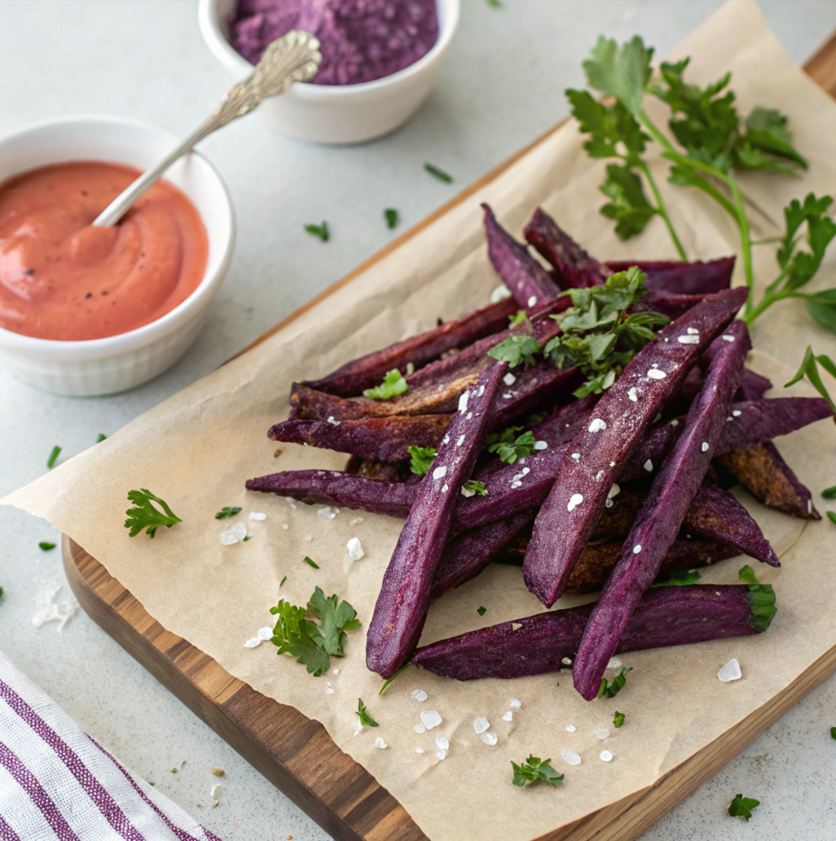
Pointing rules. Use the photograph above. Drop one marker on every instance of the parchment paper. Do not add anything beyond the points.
(196, 449)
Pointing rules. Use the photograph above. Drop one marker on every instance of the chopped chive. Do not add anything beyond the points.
(398, 672)
(281, 584)
(481, 610)
(320, 231)
(829, 493)
(46, 547)
(832, 729)
(53, 457)
(440, 174)
(310, 563)
(392, 217)
(102, 437)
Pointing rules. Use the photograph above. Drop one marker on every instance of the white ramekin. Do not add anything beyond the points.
(337, 113)
(117, 363)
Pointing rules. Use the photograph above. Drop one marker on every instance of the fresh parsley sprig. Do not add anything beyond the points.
(422, 459)
(517, 349)
(146, 515)
(473, 487)
(509, 446)
(611, 688)
(535, 770)
(393, 384)
(364, 716)
(809, 368)
(741, 807)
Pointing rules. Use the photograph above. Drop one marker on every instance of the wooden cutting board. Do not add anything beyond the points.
(298, 756)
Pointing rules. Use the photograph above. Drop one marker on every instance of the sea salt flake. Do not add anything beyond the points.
(333, 421)
(419, 750)
(355, 549)
(507, 395)
(633, 395)
(430, 719)
(328, 513)
(736, 413)
(228, 538)
(570, 757)
(704, 446)
(307, 537)
(614, 491)
(291, 502)
(608, 503)
(481, 724)
(442, 743)
(441, 754)
(731, 671)
(576, 456)
(419, 728)
(489, 738)
(570, 728)
(727, 338)
(515, 703)
(380, 743)
(541, 445)
(656, 374)
(499, 294)
(469, 415)
(574, 501)
(605, 756)
(615, 663)
(265, 633)
(460, 441)
(637, 548)
(253, 643)
(329, 690)
(692, 331)
(597, 425)
(509, 716)
(509, 379)
(602, 733)
(674, 423)
(257, 515)
(445, 489)
(532, 300)
(689, 340)
(648, 466)
(463, 401)
(481, 391)
(285, 526)
(355, 521)
(567, 661)
(440, 472)
(239, 530)
(419, 695)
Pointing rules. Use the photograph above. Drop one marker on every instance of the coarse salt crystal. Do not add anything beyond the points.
(608, 503)
(419, 728)
(460, 441)
(285, 526)
(499, 294)
(648, 466)
(570, 757)
(328, 513)
(567, 661)
(442, 743)
(509, 379)
(333, 421)
(692, 331)
(430, 719)
(605, 755)
(656, 374)
(489, 738)
(380, 743)
(574, 501)
(731, 671)
(255, 641)
(515, 703)
(570, 728)
(440, 472)
(599, 475)
(419, 750)
(602, 733)
(637, 548)
(507, 395)
(257, 515)
(597, 425)
(481, 724)
(445, 489)
(689, 340)
(228, 538)
(614, 491)
(307, 537)
(329, 690)
(704, 446)
(469, 415)
(467, 493)
(291, 502)
(463, 401)
(509, 716)
(441, 754)
(576, 456)
(541, 445)
(265, 633)
(355, 549)
(727, 338)
(419, 695)
(674, 423)
(481, 391)
(532, 300)
(633, 395)
(615, 663)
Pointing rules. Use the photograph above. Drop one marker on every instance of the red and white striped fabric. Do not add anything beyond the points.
(58, 783)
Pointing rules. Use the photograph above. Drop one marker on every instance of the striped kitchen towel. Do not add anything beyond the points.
(58, 783)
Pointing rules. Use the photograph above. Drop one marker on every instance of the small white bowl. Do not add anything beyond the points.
(117, 363)
(337, 113)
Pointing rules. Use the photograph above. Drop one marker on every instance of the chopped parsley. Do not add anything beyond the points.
(535, 770)
(517, 318)
(612, 688)
(320, 231)
(472, 487)
(680, 577)
(392, 217)
(481, 610)
(829, 493)
(311, 563)
(741, 807)
(363, 714)
(146, 515)
(516, 349)
(832, 729)
(509, 446)
(809, 368)
(53, 457)
(440, 174)
(393, 384)
(281, 583)
(246, 538)
(46, 547)
(102, 437)
(422, 459)
(618, 719)
(310, 643)
(226, 512)
(831, 516)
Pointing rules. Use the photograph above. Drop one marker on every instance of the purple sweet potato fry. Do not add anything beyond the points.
(695, 278)
(573, 267)
(369, 370)
(568, 517)
(468, 554)
(538, 644)
(377, 439)
(764, 473)
(660, 518)
(530, 284)
(667, 303)
(401, 608)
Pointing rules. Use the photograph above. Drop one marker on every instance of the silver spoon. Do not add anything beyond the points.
(294, 57)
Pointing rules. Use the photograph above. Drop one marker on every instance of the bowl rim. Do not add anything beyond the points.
(228, 55)
(121, 343)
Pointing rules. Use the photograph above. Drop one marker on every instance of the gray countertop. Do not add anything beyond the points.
(146, 58)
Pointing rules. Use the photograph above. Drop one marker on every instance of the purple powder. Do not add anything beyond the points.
(361, 40)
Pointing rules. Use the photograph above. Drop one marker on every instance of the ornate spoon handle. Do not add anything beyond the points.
(294, 57)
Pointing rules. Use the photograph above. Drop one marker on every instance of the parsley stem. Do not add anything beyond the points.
(663, 211)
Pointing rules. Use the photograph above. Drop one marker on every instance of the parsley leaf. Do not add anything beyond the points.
(508, 446)
(618, 719)
(766, 129)
(628, 205)
(516, 349)
(226, 512)
(831, 516)
(680, 577)
(614, 132)
(335, 617)
(440, 174)
(422, 459)
(809, 368)
(393, 384)
(53, 457)
(310, 562)
(363, 714)
(832, 729)
(392, 217)
(473, 487)
(146, 515)
(829, 493)
(535, 770)
(741, 807)
(320, 231)
(46, 547)
(481, 610)
(621, 70)
(613, 687)
(519, 317)
(102, 437)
